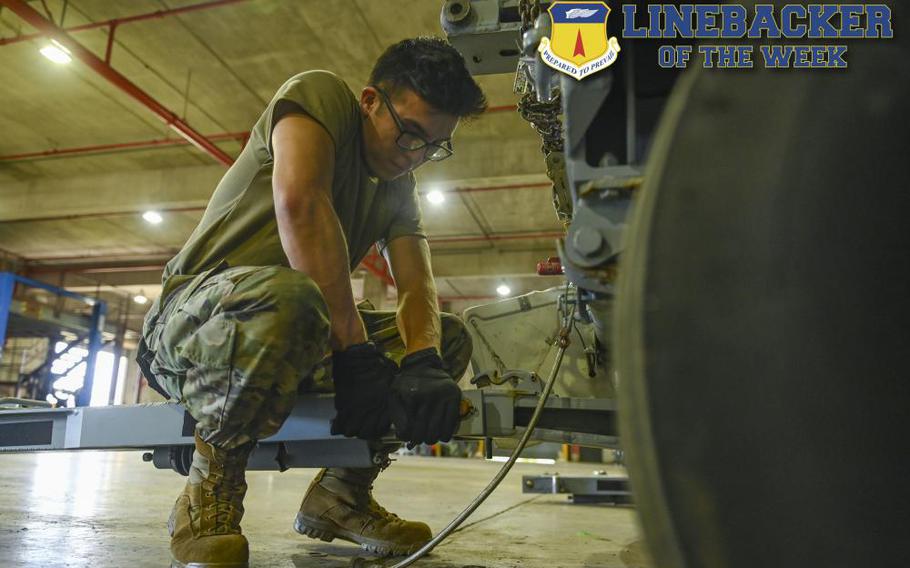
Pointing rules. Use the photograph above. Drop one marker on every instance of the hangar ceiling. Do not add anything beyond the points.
(81, 160)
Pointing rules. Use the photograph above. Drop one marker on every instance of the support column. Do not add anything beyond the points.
(84, 395)
(375, 290)
(129, 394)
(7, 285)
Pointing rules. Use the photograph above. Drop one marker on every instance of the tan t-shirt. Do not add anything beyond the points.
(239, 225)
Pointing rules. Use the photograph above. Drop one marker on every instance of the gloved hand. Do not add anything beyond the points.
(425, 400)
(362, 375)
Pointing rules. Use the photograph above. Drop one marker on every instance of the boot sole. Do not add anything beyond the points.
(327, 532)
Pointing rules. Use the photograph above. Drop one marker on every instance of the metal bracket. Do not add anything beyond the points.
(519, 381)
(598, 488)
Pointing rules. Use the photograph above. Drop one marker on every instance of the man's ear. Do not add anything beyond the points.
(369, 99)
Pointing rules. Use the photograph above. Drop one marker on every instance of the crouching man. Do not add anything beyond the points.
(261, 293)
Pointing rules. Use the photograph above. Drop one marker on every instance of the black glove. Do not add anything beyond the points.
(362, 375)
(425, 400)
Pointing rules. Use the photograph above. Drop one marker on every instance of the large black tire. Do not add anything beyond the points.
(762, 323)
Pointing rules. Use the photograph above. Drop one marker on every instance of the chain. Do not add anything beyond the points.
(544, 118)
(529, 10)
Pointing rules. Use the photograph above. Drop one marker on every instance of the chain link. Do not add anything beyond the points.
(544, 118)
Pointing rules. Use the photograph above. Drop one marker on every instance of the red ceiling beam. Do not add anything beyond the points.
(128, 19)
(482, 188)
(191, 208)
(35, 270)
(375, 264)
(147, 144)
(102, 214)
(10, 253)
(149, 260)
(48, 28)
(158, 143)
(505, 237)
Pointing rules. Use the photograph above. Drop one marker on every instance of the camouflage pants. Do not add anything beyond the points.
(236, 346)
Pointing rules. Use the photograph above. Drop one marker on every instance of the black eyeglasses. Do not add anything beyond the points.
(411, 141)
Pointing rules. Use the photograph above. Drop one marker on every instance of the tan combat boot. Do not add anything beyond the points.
(340, 504)
(205, 522)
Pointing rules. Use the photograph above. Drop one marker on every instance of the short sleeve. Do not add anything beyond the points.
(323, 96)
(407, 221)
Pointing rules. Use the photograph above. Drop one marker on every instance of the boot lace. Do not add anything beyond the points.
(220, 508)
(378, 510)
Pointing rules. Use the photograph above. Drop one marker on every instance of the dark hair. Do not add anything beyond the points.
(434, 70)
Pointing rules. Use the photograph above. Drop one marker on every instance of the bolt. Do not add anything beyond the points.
(588, 241)
(457, 10)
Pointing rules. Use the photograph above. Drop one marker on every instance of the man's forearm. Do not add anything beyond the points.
(418, 318)
(313, 241)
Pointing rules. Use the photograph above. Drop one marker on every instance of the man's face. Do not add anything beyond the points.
(382, 133)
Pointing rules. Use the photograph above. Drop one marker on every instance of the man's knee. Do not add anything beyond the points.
(284, 302)
(295, 291)
(457, 345)
(281, 323)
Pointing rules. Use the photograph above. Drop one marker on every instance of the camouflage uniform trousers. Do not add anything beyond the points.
(237, 345)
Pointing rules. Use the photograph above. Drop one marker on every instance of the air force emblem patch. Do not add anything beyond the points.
(578, 44)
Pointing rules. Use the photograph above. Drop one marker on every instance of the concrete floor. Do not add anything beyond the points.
(109, 509)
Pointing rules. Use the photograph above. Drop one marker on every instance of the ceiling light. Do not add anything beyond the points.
(56, 52)
(436, 197)
(503, 290)
(140, 299)
(152, 217)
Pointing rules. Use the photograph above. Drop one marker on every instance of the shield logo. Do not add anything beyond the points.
(578, 43)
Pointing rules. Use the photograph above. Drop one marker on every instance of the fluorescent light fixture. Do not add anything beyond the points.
(152, 217)
(436, 197)
(56, 52)
(503, 290)
(542, 461)
(140, 299)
